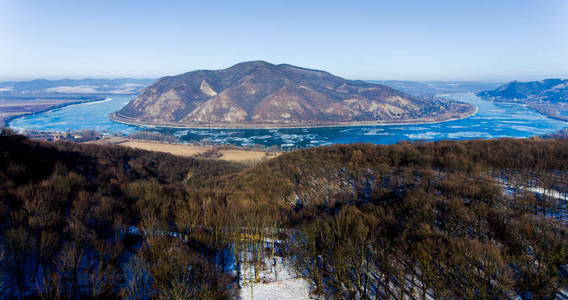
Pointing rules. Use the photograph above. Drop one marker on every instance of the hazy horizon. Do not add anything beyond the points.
(407, 40)
(110, 77)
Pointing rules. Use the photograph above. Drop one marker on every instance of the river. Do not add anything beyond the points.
(492, 120)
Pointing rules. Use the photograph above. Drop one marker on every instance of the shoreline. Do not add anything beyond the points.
(8, 120)
(563, 119)
(119, 119)
(527, 105)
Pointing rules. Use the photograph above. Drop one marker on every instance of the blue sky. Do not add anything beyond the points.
(404, 40)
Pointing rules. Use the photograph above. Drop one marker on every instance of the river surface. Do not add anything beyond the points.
(492, 120)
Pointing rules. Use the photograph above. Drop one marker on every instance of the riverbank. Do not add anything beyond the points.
(547, 109)
(470, 110)
(13, 109)
(548, 113)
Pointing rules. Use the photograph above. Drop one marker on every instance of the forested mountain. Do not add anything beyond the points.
(548, 90)
(466, 219)
(257, 93)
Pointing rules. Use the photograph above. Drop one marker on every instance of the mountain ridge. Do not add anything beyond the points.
(261, 94)
(550, 90)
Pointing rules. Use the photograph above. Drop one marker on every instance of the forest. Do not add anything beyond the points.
(476, 219)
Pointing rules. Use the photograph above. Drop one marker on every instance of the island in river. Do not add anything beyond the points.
(258, 94)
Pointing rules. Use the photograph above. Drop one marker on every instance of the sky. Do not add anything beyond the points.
(498, 40)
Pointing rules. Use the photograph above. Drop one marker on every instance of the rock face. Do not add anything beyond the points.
(260, 94)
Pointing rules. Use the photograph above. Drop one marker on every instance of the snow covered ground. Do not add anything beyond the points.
(282, 290)
(546, 192)
(277, 281)
(549, 193)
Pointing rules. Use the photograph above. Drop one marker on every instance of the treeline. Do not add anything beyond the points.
(411, 220)
(153, 136)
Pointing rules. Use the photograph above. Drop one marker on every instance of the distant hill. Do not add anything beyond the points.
(548, 90)
(260, 94)
(74, 86)
(433, 88)
(548, 97)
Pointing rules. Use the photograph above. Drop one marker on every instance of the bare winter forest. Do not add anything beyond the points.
(480, 219)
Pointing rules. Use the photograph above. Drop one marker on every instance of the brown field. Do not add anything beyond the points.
(245, 155)
(175, 149)
(239, 155)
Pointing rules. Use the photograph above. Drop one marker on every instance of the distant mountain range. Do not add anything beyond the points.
(433, 88)
(74, 86)
(260, 94)
(548, 90)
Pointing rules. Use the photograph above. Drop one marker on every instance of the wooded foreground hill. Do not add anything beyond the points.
(444, 219)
